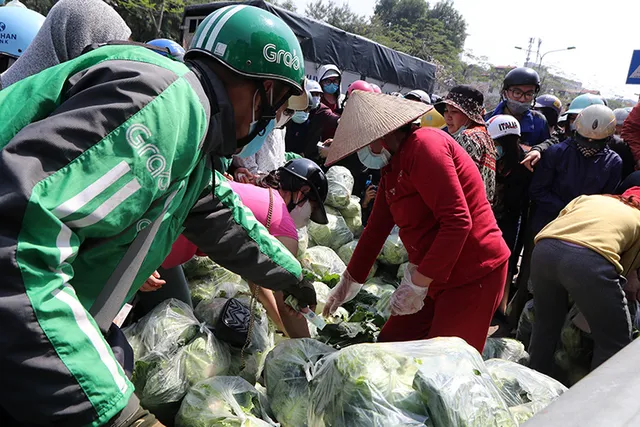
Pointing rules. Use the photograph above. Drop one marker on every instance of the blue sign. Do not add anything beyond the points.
(633, 78)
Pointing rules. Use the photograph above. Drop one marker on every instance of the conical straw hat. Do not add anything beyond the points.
(369, 116)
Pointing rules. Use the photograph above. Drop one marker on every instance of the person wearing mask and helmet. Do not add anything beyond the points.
(462, 112)
(173, 49)
(580, 165)
(297, 139)
(330, 79)
(620, 146)
(19, 27)
(70, 26)
(511, 202)
(432, 190)
(128, 136)
(291, 196)
(550, 106)
(418, 95)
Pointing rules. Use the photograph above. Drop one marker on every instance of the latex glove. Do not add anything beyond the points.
(408, 298)
(346, 290)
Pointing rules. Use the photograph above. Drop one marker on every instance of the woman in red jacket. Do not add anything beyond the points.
(434, 193)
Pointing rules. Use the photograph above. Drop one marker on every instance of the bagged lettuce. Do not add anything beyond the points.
(303, 241)
(346, 252)
(355, 225)
(393, 251)
(340, 183)
(333, 234)
(353, 209)
(322, 261)
(221, 401)
(506, 349)
(288, 372)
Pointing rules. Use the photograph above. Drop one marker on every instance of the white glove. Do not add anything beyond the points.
(408, 298)
(346, 290)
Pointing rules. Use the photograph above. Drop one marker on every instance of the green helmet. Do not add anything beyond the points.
(251, 42)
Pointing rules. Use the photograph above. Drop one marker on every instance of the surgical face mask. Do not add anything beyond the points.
(459, 131)
(301, 215)
(372, 160)
(331, 88)
(315, 102)
(256, 143)
(517, 107)
(300, 117)
(253, 126)
(499, 152)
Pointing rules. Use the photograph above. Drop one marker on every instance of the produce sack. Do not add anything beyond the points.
(346, 252)
(393, 251)
(519, 385)
(355, 225)
(322, 261)
(353, 209)
(221, 401)
(334, 234)
(506, 349)
(303, 241)
(340, 183)
(218, 282)
(289, 368)
(455, 384)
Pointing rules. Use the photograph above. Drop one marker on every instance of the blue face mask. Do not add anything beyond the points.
(499, 152)
(300, 117)
(256, 143)
(331, 88)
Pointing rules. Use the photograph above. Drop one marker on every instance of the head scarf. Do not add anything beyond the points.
(70, 27)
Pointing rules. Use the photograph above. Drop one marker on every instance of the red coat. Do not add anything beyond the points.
(631, 132)
(433, 191)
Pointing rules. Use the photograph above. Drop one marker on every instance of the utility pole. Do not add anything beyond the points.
(529, 50)
(538, 52)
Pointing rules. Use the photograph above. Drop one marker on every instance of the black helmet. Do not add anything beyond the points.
(522, 76)
(299, 172)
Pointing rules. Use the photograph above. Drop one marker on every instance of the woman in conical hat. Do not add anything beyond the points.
(433, 191)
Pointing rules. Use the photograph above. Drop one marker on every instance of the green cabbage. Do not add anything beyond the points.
(322, 261)
(218, 282)
(198, 266)
(333, 234)
(353, 209)
(303, 241)
(288, 371)
(340, 186)
(355, 225)
(505, 348)
(205, 357)
(223, 402)
(393, 251)
(346, 252)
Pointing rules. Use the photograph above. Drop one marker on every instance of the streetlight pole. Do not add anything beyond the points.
(552, 51)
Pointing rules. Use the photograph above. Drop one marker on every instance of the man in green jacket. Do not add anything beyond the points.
(94, 151)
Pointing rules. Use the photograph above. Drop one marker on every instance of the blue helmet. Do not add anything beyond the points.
(549, 101)
(174, 48)
(18, 27)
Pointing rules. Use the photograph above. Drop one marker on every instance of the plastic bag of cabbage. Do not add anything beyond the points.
(340, 186)
(346, 252)
(322, 261)
(393, 251)
(507, 349)
(440, 382)
(303, 241)
(173, 351)
(333, 234)
(208, 280)
(526, 391)
(222, 401)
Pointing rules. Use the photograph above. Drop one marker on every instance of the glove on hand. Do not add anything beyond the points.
(408, 298)
(344, 291)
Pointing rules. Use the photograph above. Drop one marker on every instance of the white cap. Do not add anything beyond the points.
(621, 115)
(421, 95)
(501, 125)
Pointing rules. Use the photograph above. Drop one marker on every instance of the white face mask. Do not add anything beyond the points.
(373, 160)
(301, 215)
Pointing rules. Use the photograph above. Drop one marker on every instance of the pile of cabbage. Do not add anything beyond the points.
(436, 382)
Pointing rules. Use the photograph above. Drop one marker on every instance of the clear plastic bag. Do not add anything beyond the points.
(322, 261)
(393, 251)
(353, 209)
(384, 292)
(355, 225)
(346, 252)
(221, 401)
(160, 379)
(456, 386)
(167, 327)
(334, 234)
(340, 183)
(519, 385)
(288, 372)
(198, 266)
(205, 357)
(506, 349)
(217, 283)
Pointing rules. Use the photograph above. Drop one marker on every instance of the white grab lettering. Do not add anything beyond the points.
(137, 135)
(272, 54)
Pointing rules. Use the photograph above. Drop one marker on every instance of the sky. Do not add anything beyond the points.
(604, 34)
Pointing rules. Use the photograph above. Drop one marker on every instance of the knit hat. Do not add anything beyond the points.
(467, 99)
(369, 116)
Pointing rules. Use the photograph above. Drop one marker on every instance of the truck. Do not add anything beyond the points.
(357, 57)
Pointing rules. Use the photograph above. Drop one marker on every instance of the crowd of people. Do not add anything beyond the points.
(122, 160)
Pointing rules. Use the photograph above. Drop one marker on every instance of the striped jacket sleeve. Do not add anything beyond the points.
(63, 179)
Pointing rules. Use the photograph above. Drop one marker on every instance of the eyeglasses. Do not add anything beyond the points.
(331, 80)
(518, 94)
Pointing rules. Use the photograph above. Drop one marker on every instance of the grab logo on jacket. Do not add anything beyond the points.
(137, 134)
